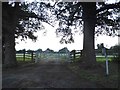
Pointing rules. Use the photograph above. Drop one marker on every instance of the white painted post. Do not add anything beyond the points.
(58, 58)
(69, 57)
(39, 56)
(107, 70)
(36, 60)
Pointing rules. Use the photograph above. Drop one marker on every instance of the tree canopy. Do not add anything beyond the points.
(28, 19)
(70, 14)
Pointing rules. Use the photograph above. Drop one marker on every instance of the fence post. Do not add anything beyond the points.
(81, 52)
(32, 55)
(74, 54)
(24, 55)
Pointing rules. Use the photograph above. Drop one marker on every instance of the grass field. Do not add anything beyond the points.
(102, 59)
(28, 57)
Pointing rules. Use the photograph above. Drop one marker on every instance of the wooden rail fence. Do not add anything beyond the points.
(25, 54)
(74, 54)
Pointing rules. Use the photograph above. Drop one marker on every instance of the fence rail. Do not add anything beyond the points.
(74, 54)
(53, 56)
(31, 55)
(25, 56)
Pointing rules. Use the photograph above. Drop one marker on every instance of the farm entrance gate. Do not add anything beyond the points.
(56, 57)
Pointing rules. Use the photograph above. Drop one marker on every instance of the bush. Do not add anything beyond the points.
(116, 59)
(116, 51)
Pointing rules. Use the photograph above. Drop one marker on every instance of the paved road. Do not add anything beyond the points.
(44, 76)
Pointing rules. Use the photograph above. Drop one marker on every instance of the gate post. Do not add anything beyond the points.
(24, 54)
(32, 55)
(36, 56)
(74, 54)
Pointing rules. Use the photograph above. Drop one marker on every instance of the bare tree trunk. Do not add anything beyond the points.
(89, 17)
(3, 54)
(10, 21)
(10, 54)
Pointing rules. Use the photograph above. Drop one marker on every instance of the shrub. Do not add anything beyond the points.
(116, 51)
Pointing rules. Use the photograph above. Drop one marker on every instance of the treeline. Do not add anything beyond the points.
(112, 51)
(65, 49)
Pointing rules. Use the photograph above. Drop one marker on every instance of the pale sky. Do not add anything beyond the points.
(51, 41)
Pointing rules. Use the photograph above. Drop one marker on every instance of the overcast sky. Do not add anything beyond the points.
(51, 41)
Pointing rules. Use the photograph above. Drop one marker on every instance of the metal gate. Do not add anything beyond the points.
(56, 57)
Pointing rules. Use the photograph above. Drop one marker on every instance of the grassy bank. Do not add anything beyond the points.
(98, 74)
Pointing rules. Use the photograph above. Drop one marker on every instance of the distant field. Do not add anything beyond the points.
(21, 58)
(102, 59)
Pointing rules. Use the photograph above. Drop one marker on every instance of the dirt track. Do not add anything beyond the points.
(44, 76)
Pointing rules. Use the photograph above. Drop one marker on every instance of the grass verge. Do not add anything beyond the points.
(98, 75)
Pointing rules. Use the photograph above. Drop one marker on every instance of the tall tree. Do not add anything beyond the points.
(9, 24)
(103, 16)
(89, 18)
(18, 20)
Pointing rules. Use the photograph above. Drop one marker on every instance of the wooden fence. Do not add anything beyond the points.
(25, 55)
(30, 55)
(75, 54)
